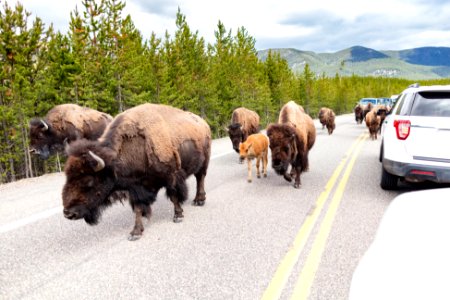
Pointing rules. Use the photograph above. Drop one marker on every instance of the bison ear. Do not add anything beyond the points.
(98, 163)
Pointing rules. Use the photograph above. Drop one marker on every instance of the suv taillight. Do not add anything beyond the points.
(402, 127)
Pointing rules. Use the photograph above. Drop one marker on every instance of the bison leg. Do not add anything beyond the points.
(138, 229)
(177, 193)
(249, 170)
(200, 195)
(178, 211)
(287, 177)
(297, 178)
(265, 162)
(258, 163)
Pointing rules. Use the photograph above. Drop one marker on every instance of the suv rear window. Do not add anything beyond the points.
(431, 104)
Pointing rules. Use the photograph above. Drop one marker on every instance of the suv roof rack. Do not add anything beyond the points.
(414, 85)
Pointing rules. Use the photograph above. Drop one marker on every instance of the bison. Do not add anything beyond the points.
(243, 123)
(65, 123)
(255, 146)
(326, 118)
(290, 141)
(359, 117)
(366, 109)
(382, 111)
(373, 123)
(144, 149)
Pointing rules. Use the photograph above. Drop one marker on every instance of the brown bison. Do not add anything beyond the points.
(366, 108)
(255, 146)
(65, 123)
(144, 149)
(382, 111)
(326, 118)
(373, 122)
(290, 141)
(359, 117)
(243, 123)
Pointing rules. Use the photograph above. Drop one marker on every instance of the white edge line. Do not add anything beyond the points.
(31, 219)
(53, 211)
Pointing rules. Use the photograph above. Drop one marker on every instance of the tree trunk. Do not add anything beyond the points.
(119, 95)
(26, 154)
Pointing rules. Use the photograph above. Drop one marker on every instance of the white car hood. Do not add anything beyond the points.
(410, 255)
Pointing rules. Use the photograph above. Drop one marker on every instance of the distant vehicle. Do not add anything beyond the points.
(394, 99)
(385, 101)
(408, 258)
(365, 101)
(415, 137)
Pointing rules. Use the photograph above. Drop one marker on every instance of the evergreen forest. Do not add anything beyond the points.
(104, 62)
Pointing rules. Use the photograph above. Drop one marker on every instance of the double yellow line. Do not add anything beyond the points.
(306, 278)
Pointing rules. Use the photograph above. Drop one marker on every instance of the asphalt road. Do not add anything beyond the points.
(250, 241)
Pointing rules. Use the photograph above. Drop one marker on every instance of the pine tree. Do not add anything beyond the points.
(21, 54)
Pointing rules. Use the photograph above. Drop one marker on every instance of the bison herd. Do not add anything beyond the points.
(374, 116)
(153, 146)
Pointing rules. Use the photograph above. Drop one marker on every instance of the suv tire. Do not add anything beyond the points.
(388, 181)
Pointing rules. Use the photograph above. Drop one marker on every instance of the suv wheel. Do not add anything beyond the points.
(388, 181)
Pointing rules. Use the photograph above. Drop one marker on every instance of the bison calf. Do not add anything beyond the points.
(256, 146)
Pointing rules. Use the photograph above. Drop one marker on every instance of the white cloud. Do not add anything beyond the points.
(320, 25)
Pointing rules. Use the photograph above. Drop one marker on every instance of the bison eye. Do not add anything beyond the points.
(286, 149)
(88, 182)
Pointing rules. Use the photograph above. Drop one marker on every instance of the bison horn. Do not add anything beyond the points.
(44, 124)
(100, 161)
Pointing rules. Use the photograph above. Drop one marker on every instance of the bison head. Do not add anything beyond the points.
(42, 138)
(89, 182)
(236, 135)
(246, 150)
(283, 146)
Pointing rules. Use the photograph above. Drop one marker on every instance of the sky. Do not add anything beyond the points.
(314, 25)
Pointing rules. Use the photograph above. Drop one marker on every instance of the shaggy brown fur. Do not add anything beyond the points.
(243, 123)
(382, 111)
(366, 108)
(290, 141)
(373, 123)
(256, 146)
(326, 118)
(65, 123)
(359, 117)
(144, 149)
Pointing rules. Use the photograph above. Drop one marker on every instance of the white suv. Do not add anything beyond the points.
(415, 137)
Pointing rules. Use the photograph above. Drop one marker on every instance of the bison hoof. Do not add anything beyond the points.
(178, 219)
(297, 185)
(265, 175)
(198, 202)
(287, 177)
(133, 237)
(249, 180)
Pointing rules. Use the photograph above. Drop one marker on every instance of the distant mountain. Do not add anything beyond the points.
(359, 54)
(417, 63)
